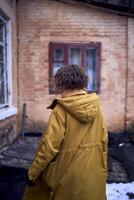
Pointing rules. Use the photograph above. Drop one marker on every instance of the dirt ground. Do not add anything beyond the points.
(12, 183)
(14, 163)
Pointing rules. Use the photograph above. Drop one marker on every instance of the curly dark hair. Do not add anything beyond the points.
(70, 77)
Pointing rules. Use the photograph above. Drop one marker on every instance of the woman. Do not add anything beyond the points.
(71, 161)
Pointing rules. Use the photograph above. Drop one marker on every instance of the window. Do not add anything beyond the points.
(3, 64)
(84, 55)
(6, 107)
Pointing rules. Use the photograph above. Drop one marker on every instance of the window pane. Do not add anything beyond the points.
(3, 65)
(75, 56)
(1, 33)
(1, 30)
(1, 53)
(58, 55)
(56, 66)
(3, 84)
(90, 68)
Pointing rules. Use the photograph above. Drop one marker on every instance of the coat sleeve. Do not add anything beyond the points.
(105, 147)
(49, 145)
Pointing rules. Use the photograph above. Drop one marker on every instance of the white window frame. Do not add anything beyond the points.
(4, 50)
(7, 110)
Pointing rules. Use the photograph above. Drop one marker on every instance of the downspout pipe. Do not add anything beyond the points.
(18, 86)
(126, 81)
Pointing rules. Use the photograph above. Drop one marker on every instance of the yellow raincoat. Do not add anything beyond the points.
(71, 161)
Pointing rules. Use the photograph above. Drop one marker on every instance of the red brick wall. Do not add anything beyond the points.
(43, 21)
(130, 73)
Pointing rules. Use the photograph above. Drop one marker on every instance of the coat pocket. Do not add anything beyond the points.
(50, 174)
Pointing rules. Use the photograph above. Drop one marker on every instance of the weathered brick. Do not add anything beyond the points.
(43, 21)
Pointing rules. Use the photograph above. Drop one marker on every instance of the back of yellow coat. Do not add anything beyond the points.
(71, 170)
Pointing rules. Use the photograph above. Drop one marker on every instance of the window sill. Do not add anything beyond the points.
(7, 112)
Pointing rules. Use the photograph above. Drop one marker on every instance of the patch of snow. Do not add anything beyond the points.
(121, 144)
(118, 191)
(7, 112)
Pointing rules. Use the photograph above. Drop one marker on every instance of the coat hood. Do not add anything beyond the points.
(81, 106)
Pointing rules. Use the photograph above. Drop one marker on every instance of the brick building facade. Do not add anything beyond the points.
(49, 21)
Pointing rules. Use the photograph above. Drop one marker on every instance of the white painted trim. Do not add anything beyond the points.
(7, 112)
(7, 9)
(3, 19)
(9, 61)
